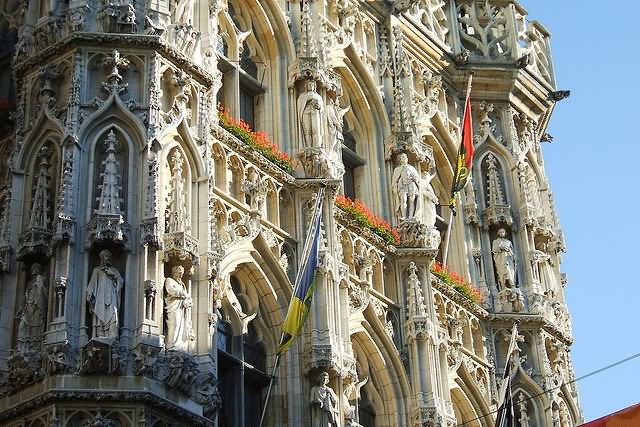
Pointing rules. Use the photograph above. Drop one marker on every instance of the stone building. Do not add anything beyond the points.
(149, 239)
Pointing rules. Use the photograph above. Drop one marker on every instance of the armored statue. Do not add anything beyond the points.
(310, 109)
(405, 185)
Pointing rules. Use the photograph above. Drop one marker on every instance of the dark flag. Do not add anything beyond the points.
(506, 416)
(464, 160)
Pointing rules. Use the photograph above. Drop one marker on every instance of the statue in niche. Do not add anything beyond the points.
(310, 108)
(103, 293)
(178, 305)
(324, 404)
(255, 190)
(184, 12)
(504, 259)
(429, 200)
(34, 312)
(335, 116)
(405, 185)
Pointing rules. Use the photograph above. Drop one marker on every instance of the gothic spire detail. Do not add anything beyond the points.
(495, 194)
(177, 216)
(417, 307)
(110, 188)
(307, 49)
(40, 207)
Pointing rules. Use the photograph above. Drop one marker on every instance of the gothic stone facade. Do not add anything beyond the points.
(147, 254)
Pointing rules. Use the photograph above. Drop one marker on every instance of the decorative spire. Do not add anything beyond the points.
(177, 217)
(307, 49)
(40, 206)
(109, 199)
(417, 307)
(495, 196)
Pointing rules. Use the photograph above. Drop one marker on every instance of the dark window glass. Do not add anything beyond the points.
(247, 107)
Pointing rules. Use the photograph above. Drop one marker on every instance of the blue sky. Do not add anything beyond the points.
(592, 168)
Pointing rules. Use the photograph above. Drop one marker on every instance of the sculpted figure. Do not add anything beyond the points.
(429, 200)
(334, 120)
(184, 12)
(103, 293)
(504, 259)
(178, 303)
(34, 312)
(324, 404)
(310, 108)
(255, 190)
(405, 184)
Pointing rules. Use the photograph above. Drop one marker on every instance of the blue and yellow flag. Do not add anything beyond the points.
(305, 282)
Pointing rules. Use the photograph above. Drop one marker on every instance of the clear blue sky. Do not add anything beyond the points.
(592, 167)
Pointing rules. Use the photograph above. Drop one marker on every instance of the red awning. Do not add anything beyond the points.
(628, 417)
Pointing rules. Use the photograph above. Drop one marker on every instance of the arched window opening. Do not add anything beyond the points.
(241, 370)
(351, 160)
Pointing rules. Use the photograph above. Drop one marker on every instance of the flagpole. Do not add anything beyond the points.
(446, 244)
(306, 248)
(266, 399)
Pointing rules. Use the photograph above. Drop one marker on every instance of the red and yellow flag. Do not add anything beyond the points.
(464, 160)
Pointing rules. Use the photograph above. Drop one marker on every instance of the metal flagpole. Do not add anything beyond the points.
(446, 244)
(306, 249)
(266, 400)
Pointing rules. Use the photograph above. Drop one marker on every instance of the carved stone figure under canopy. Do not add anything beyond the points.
(335, 115)
(324, 404)
(255, 190)
(428, 200)
(504, 259)
(178, 304)
(34, 312)
(103, 293)
(405, 184)
(310, 109)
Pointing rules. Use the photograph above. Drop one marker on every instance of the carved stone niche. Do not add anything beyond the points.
(510, 300)
(108, 222)
(414, 234)
(497, 215)
(322, 357)
(100, 356)
(36, 238)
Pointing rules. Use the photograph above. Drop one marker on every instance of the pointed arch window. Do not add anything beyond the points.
(352, 162)
(241, 371)
(242, 69)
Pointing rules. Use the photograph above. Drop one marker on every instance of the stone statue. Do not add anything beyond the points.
(405, 185)
(184, 12)
(255, 190)
(34, 312)
(324, 404)
(103, 293)
(504, 259)
(429, 200)
(310, 108)
(178, 303)
(334, 120)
